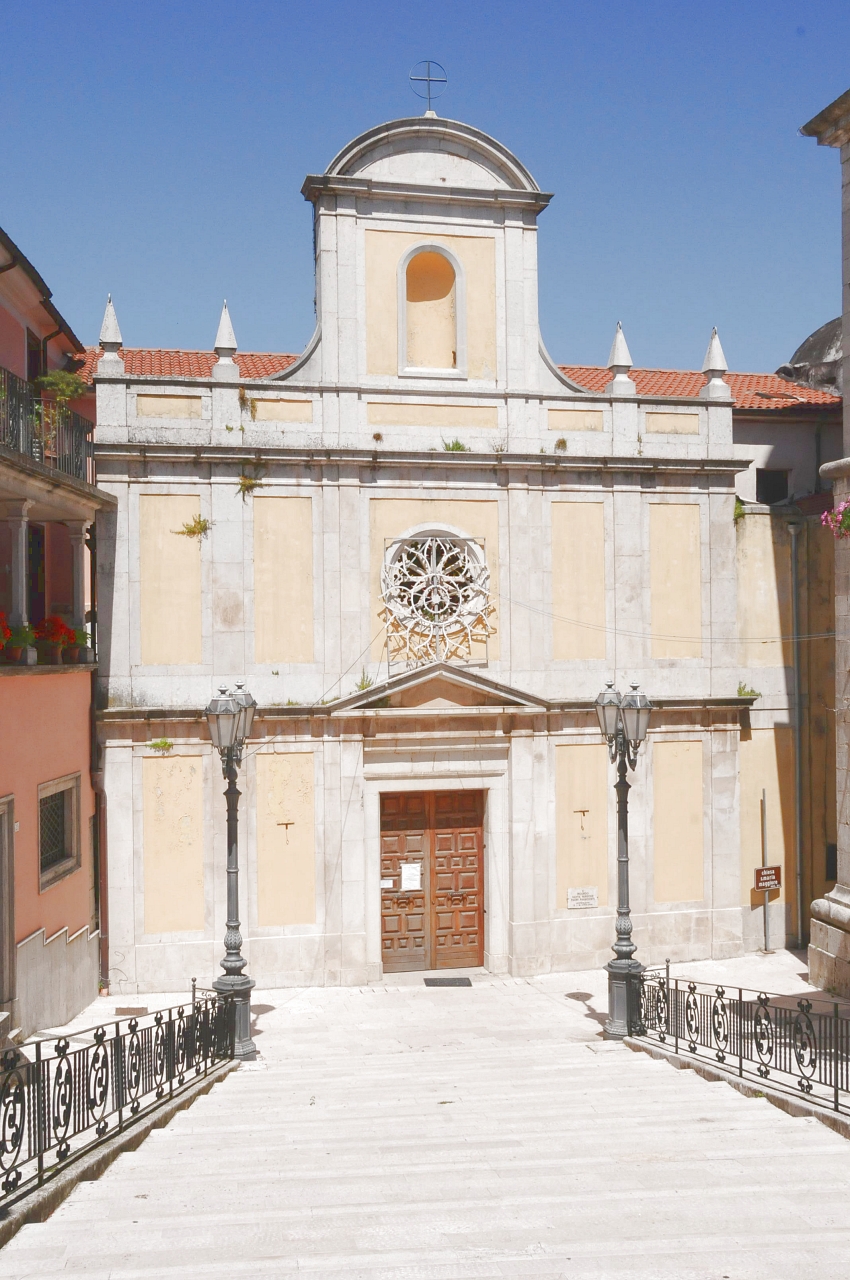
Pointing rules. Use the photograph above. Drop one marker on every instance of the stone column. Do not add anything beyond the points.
(829, 948)
(17, 518)
(77, 532)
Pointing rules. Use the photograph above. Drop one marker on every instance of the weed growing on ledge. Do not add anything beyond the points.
(247, 484)
(163, 746)
(455, 446)
(745, 692)
(740, 510)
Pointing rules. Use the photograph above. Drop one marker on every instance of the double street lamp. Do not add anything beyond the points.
(230, 716)
(624, 720)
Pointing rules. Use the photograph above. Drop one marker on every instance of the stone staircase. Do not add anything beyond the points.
(407, 1132)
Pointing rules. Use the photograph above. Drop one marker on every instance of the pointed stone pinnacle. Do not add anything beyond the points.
(225, 338)
(110, 334)
(620, 357)
(715, 360)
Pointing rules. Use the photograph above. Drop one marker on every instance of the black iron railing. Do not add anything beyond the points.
(43, 430)
(795, 1044)
(60, 1098)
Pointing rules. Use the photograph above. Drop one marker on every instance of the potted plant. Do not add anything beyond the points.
(19, 638)
(52, 636)
(77, 640)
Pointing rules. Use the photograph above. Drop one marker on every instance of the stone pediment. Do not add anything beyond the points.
(438, 687)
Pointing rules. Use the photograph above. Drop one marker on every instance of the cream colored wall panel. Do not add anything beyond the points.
(581, 791)
(675, 580)
(575, 419)
(282, 410)
(170, 580)
(383, 413)
(767, 762)
(672, 424)
(578, 580)
(384, 251)
(172, 816)
(283, 579)
(286, 863)
(391, 517)
(168, 406)
(677, 816)
(764, 590)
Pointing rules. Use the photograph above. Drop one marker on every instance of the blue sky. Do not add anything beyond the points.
(157, 151)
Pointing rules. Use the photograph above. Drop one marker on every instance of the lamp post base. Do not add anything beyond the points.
(623, 998)
(239, 988)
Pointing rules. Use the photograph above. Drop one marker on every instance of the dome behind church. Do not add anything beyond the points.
(818, 361)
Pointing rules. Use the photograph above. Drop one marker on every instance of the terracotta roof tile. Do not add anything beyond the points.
(749, 390)
(141, 362)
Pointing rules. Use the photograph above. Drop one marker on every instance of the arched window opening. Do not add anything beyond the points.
(431, 291)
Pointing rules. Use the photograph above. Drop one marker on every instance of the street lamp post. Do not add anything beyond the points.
(229, 716)
(624, 721)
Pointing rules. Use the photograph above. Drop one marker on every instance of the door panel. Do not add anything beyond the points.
(405, 911)
(437, 921)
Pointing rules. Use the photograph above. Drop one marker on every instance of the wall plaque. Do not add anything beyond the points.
(587, 896)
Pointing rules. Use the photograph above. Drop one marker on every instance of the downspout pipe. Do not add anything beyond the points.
(794, 528)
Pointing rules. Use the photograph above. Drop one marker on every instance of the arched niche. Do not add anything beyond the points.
(431, 313)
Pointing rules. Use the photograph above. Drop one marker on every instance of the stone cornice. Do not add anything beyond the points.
(317, 185)
(499, 462)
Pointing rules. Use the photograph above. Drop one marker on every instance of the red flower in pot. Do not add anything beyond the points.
(52, 635)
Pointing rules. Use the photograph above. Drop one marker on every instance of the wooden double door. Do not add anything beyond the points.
(432, 880)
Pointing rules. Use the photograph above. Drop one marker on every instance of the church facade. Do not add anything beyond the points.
(425, 548)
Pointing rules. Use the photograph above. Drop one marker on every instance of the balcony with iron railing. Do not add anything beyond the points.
(44, 429)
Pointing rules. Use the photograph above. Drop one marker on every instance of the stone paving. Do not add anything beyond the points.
(404, 1132)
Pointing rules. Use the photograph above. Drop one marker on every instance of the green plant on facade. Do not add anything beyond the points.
(740, 510)
(197, 528)
(365, 682)
(745, 692)
(561, 445)
(63, 386)
(162, 746)
(248, 403)
(248, 483)
(455, 446)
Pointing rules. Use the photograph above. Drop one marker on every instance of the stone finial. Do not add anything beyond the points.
(110, 341)
(225, 348)
(110, 334)
(714, 365)
(620, 362)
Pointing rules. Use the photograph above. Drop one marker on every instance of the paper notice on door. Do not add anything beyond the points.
(388, 884)
(587, 896)
(411, 875)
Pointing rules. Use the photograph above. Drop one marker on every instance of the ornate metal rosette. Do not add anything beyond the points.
(720, 1024)
(13, 1117)
(805, 1045)
(692, 1017)
(763, 1036)
(62, 1097)
(436, 592)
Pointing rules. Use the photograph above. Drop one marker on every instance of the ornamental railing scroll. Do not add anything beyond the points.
(60, 1098)
(794, 1044)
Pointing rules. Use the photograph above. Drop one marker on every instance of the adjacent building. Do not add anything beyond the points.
(49, 875)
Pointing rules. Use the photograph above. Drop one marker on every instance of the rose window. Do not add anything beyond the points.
(436, 591)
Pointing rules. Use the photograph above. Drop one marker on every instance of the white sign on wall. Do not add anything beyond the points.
(411, 875)
(586, 896)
